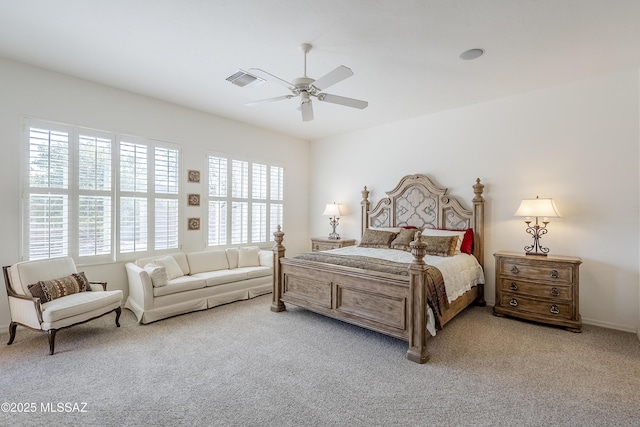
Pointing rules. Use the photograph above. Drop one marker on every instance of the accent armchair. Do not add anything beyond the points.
(49, 295)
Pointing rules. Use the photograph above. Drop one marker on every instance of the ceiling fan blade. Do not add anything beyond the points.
(341, 100)
(333, 77)
(307, 110)
(270, 78)
(265, 101)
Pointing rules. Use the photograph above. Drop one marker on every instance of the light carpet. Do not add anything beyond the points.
(243, 365)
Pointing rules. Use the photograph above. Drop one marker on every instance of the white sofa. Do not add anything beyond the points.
(200, 280)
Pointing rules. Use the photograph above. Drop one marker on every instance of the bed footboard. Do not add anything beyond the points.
(386, 303)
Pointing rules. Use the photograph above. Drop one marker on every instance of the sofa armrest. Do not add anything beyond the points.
(26, 311)
(140, 286)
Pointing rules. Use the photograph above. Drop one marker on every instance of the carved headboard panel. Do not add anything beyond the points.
(418, 202)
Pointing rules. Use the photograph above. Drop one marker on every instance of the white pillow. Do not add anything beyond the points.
(433, 232)
(158, 275)
(171, 265)
(249, 256)
(232, 257)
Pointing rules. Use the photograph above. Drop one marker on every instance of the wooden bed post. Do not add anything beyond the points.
(417, 303)
(478, 231)
(278, 252)
(364, 219)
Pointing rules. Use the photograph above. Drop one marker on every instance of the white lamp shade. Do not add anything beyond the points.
(538, 207)
(332, 209)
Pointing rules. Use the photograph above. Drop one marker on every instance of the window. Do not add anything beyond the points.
(96, 195)
(245, 200)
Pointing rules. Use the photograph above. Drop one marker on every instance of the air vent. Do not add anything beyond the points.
(244, 79)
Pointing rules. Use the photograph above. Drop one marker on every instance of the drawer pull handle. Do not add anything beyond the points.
(554, 309)
(554, 274)
(515, 270)
(513, 302)
(513, 286)
(555, 292)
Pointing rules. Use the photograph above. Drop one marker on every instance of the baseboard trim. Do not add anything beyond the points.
(610, 325)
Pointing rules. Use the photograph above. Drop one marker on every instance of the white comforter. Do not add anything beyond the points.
(460, 272)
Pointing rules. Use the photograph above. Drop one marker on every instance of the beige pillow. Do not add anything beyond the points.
(249, 256)
(377, 238)
(171, 266)
(403, 239)
(440, 245)
(434, 232)
(158, 275)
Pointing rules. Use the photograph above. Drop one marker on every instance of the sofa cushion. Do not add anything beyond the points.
(158, 275)
(26, 273)
(48, 290)
(181, 284)
(220, 277)
(249, 256)
(75, 304)
(207, 261)
(232, 257)
(261, 271)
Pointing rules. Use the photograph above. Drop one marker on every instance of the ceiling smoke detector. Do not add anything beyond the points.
(470, 54)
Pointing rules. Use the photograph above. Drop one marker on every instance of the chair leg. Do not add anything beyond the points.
(51, 333)
(12, 332)
(118, 312)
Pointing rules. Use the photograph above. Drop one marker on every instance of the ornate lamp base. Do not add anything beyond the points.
(537, 232)
(334, 222)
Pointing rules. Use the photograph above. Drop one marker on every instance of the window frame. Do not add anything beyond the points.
(74, 192)
(247, 202)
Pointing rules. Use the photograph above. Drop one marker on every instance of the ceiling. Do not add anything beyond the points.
(404, 53)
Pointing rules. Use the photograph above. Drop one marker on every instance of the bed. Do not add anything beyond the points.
(393, 299)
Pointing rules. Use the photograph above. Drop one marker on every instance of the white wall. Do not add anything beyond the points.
(41, 94)
(576, 143)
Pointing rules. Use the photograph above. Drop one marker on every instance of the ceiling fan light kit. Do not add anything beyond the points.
(305, 87)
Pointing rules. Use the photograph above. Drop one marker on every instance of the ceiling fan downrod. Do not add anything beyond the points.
(306, 47)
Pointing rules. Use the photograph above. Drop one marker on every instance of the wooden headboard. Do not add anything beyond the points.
(417, 201)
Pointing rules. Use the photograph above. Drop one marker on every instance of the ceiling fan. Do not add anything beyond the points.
(306, 87)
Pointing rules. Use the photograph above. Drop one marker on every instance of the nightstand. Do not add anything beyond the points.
(539, 288)
(324, 244)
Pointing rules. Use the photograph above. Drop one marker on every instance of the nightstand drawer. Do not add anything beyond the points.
(318, 246)
(530, 305)
(559, 292)
(324, 244)
(555, 273)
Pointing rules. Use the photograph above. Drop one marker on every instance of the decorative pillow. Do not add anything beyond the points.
(158, 275)
(466, 245)
(403, 239)
(48, 290)
(467, 242)
(170, 265)
(232, 257)
(441, 245)
(249, 256)
(377, 238)
(438, 232)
